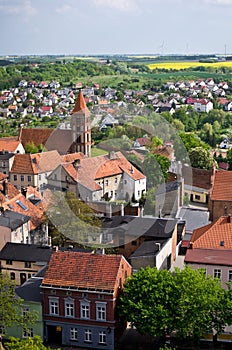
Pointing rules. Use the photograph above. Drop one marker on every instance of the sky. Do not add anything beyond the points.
(88, 27)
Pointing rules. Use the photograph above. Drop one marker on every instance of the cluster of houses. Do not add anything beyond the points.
(46, 99)
(75, 291)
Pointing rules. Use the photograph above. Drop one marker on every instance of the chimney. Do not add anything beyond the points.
(229, 219)
(112, 155)
(122, 210)
(5, 187)
(24, 191)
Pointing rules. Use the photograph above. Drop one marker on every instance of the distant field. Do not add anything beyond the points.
(185, 64)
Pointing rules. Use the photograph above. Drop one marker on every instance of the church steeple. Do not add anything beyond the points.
(80, 104)
(81, 127)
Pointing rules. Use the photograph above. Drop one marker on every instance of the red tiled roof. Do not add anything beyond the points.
(7, 144)
(69, 158)
(35, 212)
(209, 257)
(222, 188)
(211, 236)
(35, 163)
(83, 270)
(37, 135)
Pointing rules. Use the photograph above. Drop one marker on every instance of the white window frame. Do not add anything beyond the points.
(69, 308)
(88, 335)
(230, 275)
(102, 337)
(28, 333)
(73, 334)
(217, 273)
(85, 310)
(101, 311)
(54, 305)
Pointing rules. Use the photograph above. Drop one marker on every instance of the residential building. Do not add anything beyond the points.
(130, 233)
(11, 145)
(27, 203)
(14, 227)
(22, 261)
(220, 202)
(33, 169)
(80, 296)
(30, 293)
(6, 162)
(109, 176)
(211, 249)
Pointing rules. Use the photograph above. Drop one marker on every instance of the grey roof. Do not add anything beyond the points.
(146, 226)
(168, 187)
(25, 252)
(6, 155)
(194, 218)
(60, 140)
(12, 219)
(148, 248)
(30, 290)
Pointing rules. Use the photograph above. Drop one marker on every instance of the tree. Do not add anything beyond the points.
(149, 300)
(158, 302)
(34, 343)
(200, 158)
(10, 305)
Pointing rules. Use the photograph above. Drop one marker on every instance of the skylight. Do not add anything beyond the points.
(23, 206)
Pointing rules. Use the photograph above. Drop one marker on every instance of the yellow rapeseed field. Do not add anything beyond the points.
(185, 64)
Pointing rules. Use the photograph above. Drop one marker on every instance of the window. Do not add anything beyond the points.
(230, 275)
(85, 310)
(25, 311)
(102, 337)
(125, 182)
(23, 206)
(15, 177)
(29, 178)
(22, 177)
(28, 333)
(27, 264)
(115, 180)
(138, 193)
(3, 164)
(217, 273)
(197, 197)
(12, 275)
(107, 183)
(73, 334)
(2, 330)
(101, 311)
(88, 335)
(54, 307)
(39, 177)
(8, 262)
(69, 308)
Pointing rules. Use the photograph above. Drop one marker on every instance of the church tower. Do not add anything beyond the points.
(81, 127)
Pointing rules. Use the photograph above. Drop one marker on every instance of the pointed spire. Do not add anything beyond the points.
(80, 104)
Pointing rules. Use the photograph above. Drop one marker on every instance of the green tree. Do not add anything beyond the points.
(11, 305)
(149, 300)
(34, 343)
(200, 158)
(158, 302)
